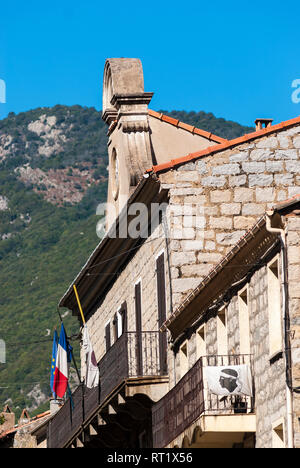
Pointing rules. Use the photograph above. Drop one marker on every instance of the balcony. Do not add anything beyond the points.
(191, 416)
(132, 377)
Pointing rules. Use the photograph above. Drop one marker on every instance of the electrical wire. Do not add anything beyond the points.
(123, 253)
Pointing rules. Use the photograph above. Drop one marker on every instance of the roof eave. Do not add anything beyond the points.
(187, 312)
(109, 244)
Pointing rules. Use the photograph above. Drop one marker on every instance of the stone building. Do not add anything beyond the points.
(29, 432)
(244, 312)
(198, 268)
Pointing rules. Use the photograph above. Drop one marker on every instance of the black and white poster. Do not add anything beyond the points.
(229, 380)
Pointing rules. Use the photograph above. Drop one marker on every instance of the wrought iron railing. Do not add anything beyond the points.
(132, 355)
(190, 398)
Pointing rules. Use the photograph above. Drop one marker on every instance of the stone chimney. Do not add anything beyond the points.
(263, 123)
(55, 405)
(24, 418)
(7, 419)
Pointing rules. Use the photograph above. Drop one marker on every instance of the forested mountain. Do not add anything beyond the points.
(52, 177)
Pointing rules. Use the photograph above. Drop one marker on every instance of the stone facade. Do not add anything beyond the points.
(142, 267)
(222, 195)
(212, 203)
(269, 379)
(213, 199)
(293, 229)
(269, 373)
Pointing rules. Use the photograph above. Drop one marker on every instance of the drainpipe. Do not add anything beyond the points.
(289, 397)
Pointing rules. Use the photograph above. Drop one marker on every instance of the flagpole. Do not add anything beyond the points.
(79, 305)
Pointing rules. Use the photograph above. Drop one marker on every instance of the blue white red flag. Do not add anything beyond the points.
(61, 375)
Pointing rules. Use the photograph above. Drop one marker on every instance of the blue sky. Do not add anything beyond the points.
(235, 59)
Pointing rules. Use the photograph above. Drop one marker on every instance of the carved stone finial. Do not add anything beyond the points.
(123, 77)
(125, 110)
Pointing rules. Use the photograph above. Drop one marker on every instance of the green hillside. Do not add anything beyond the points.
(52, 176)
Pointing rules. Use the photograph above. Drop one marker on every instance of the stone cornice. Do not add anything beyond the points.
(131, 99)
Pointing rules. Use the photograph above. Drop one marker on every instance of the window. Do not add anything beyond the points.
(115, 327)
(107, 336)
(200, 342)
(184, 360)
(120, 321)
(274, 308)
(222, 332)
(138, 321)
(161, 306)
(123, 318)
(161, 289)
(244, 321)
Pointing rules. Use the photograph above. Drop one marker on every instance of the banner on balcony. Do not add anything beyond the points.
(92, 370)
(229, 380)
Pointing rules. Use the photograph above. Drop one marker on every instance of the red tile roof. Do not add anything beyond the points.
(224, 146)
(188, 128)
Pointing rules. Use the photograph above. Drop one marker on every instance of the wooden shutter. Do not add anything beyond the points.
(138, 318)
(107, 337)
(161, 305)
(115, 328)
(123, 313)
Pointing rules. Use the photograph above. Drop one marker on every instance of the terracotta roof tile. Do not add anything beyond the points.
(225, 144)
(187, 127)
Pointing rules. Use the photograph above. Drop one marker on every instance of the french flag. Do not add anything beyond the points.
(61, 375)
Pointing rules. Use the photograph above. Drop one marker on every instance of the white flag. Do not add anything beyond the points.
(229, 380)
(92, 370)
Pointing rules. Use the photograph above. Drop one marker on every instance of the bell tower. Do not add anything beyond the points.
(125, 110)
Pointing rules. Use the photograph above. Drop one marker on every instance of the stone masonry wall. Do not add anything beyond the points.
(141, 267)
(213, 201)
(269, 379)
(293, 242)
(221, 196)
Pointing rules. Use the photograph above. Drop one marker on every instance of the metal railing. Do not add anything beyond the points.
(132, 355)
(190, 398)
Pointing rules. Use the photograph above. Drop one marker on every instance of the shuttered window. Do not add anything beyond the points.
(123, 314)
(138, 318)
(115, 328)
(107, 337)
(161, 305)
